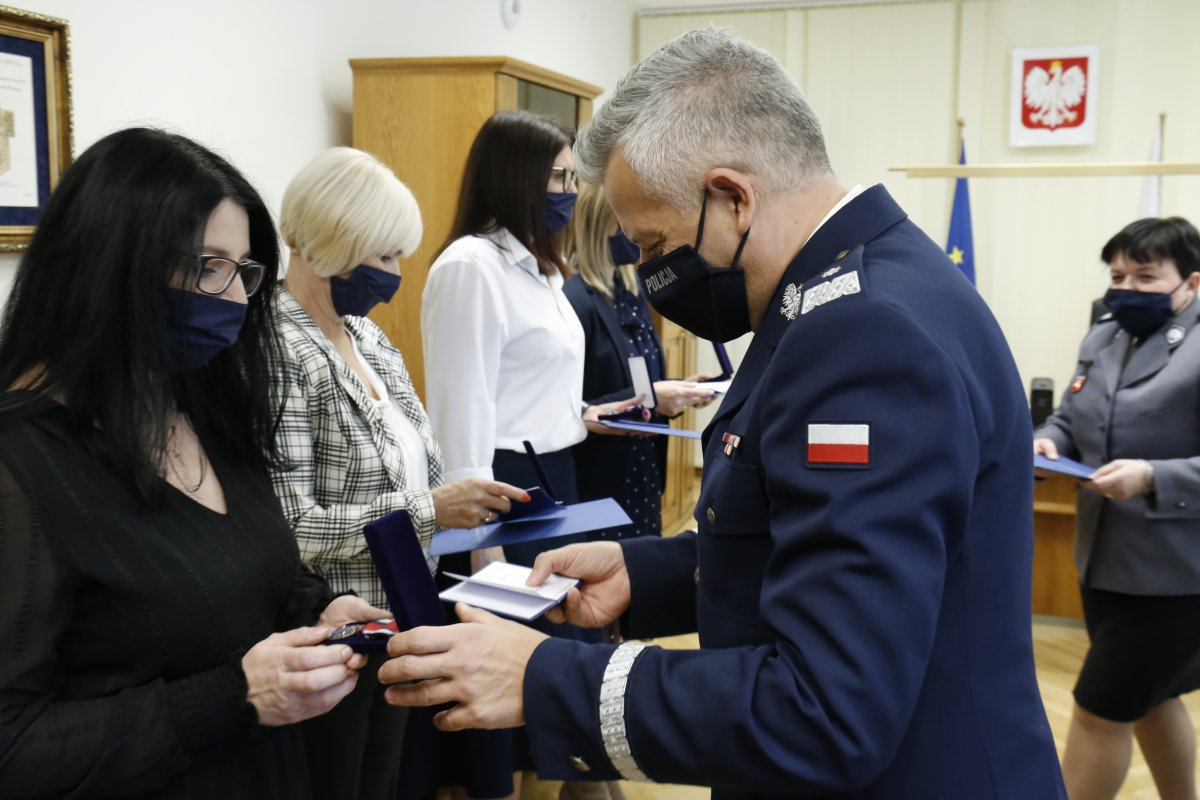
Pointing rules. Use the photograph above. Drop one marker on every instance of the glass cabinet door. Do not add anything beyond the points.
(557, 105)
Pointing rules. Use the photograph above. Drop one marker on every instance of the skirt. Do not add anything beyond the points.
(1145, 650)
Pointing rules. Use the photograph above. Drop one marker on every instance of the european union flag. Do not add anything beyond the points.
(959, 244)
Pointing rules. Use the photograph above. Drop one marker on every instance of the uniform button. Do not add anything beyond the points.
(842, 255)
(696, 576)
(1181, 504)
(711, 516)
(579, 764)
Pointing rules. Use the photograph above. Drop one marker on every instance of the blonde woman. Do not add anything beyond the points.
(356, 436)
(617, 325)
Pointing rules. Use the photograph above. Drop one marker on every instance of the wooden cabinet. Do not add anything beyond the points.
(1055, 579)
(420, 116)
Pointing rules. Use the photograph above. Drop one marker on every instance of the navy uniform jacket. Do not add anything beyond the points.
(865, 627)
(1143, 404)
(601, 462)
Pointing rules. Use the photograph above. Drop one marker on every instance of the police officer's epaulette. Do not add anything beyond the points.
(844, 278)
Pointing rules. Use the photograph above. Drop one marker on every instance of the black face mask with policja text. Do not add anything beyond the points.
(705, 300)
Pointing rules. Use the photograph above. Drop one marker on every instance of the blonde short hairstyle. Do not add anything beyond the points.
(346, 206)
(591, 222)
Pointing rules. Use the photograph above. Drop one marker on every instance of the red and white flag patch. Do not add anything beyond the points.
(839, 443)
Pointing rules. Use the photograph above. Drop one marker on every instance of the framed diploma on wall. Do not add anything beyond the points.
(35, 119)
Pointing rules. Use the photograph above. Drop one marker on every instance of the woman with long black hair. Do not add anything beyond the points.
(151, 593)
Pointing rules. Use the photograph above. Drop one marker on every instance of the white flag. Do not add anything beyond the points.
(1150, 204)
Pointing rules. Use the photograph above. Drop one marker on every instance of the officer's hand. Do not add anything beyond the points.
(479, 665)
(1120, 479)
(604, 594)
(1045, 447)
(290, 677)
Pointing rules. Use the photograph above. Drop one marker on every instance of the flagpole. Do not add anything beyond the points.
(1162, 153)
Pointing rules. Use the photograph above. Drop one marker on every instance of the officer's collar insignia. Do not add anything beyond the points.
(1174, 335)
(829, 291)
(791, 300)
(831, 272)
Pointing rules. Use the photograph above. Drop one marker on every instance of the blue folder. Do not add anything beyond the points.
(651, 427)
(562, 520)
(540, 503)
(1063, 466)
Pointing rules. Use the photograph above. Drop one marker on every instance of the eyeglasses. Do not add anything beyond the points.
(567, 175)
(215, 274)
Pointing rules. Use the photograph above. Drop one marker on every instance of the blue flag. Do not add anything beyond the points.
(959, 244)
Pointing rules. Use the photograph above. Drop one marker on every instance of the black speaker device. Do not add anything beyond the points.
(1041, 400)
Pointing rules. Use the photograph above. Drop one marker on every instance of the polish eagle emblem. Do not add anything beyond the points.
(791, 301)
(1053, 98)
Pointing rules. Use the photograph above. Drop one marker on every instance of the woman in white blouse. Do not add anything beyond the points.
(504, 350)
(353, 430)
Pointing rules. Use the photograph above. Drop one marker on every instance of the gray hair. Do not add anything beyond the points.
(706, 99)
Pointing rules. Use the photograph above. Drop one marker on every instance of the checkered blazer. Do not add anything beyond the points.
(347, 462)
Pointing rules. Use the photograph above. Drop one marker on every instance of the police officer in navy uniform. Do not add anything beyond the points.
(860, 575)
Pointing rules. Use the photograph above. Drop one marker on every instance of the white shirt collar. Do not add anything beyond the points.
(854, 192)
(512, 251)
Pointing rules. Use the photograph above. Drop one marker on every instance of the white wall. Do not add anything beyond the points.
(267, 82)
(889, 80)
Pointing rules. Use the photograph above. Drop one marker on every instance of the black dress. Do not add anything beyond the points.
(124, 627)
(630, 469)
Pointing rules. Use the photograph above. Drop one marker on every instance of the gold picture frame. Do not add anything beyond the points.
(36, 128)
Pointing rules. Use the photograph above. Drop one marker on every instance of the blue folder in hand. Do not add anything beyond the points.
(660, 428)
(411, 593)
(1063, 466)
(542, 501)
(564, 520)
(541, 504)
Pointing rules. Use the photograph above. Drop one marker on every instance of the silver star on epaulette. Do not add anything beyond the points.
(791, 300)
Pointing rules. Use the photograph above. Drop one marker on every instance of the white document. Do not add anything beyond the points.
(718, 387)
(500, 587)
(641, 381)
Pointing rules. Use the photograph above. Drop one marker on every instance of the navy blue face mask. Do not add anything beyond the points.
(1140, 313)
(366, 287)
(622, 250)
(559, 206)
(708, 301)
(199, 326)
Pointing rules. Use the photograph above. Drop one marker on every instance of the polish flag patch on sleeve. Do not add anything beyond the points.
(839, 444)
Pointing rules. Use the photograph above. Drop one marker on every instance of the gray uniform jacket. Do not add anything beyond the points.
(1137, 401)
